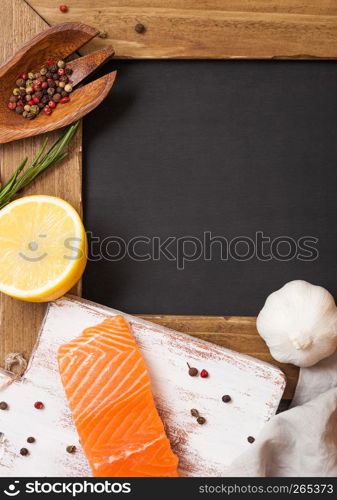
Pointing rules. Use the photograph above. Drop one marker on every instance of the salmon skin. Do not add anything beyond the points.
(109, 394)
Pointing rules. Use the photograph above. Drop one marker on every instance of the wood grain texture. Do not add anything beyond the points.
(233, 332)
(57, 42)
(263, 29)
(203, 450)
(20, 321)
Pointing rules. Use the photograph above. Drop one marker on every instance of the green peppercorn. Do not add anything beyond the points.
(27, 108)
(29, 83)
(31, 76)
(37, 76)
(16, 91)
(68, 88)
(61, 64)
(28, 97)
(62, 84)
(24, 114)
(43, 71)
(31, 116)
(34, 109)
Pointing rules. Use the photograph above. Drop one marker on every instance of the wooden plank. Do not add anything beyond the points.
(262, 29)
(233, 332)
(255, 387)
(20, 321)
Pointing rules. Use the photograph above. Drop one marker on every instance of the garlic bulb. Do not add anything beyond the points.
(299, 323)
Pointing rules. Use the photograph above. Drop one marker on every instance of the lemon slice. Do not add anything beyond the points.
(43, 248)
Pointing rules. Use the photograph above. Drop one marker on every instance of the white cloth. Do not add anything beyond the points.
(302, 441)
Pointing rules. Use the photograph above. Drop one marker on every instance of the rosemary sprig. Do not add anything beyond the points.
(43, 160)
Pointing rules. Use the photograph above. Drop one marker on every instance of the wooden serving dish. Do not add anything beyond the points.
(56, 43)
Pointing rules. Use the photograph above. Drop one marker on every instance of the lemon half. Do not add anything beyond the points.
(43, 248)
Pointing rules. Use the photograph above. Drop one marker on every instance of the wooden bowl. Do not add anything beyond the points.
(54, 43)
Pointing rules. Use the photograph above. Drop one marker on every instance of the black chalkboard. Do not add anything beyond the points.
(204, 149)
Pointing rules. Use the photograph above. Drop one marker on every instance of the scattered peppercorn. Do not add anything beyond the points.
(24, 452)
(31, 440)
(204, 373)
(71, 448)
(39, 405)
(102, 34)
(140, 28)
(3, 405)
(250, 439)
(63, 8)
(193, 372)
(194, 412)
(226, 398)
(201, 420)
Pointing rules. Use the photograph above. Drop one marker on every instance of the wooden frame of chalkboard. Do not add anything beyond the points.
(295, 29)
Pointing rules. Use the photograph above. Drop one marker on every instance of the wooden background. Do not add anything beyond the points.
(260, 29)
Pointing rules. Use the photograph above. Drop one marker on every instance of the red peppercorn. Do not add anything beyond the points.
(44, 85)
(52, 104)
(37, 88)
(24, 76)
(64, 99)
(204, 373)
(31, 102)
(11, 105)
(20, 103)
(39, 405)
(60, 71)
(50, 63)
(63, 8)
(36, 100)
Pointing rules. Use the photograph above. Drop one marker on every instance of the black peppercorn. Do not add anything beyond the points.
(31, 440)
(3, 405)
(59, 90)
(24, 452)
(13, 98)
(69, 71)
(250, 439)
(193, 372)
(53, 68)
(55, 76)
(140, 28)
(49, 74)
(64, 78)
(71, 449)
(226, 398)
(56, 97)
(52, 84)
(19, 110)
(20, 82)
(201, 420)
(51, 91)
(194, 412)
(64, 93)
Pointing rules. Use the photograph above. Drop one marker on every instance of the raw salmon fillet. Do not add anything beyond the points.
(109, 394)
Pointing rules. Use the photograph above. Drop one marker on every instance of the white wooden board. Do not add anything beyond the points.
(204, 450)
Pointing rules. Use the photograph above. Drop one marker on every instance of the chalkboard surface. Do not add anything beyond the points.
(209, 184)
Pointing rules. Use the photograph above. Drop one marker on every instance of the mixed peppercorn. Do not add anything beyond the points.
(42, 91)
